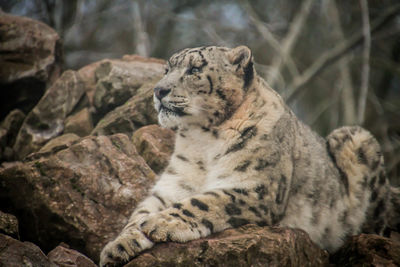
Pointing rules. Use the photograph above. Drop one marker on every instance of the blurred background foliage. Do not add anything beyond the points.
(335, 62)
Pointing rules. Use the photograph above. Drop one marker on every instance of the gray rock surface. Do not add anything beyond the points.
(9, 225)
(155, 144)
(368, 250)
(63, 256)
(56, 144)
(81, 195)
(30, 59)
(118, 80)
(137, 112)
(17, 253)
(249, 245)
(9, 128)
(79, 123)
(46, 120)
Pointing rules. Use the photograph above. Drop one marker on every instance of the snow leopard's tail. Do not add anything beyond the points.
(358, 157)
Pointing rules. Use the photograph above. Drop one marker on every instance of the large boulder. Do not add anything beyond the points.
(81, 195)
(56, 144)
(79, 123)
(155, 144)
(8, 224)
(249, 245)
(30, 59)
(88, 72)
(46, 120)
(17, 253)
(63, 256)
(137, 112)
(9, 128)
(88, 76)
(368, 250)
(118, 80)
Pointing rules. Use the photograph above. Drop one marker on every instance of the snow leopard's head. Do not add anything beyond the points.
(203, 86)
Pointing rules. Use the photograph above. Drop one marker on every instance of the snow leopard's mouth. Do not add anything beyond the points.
(173, 110)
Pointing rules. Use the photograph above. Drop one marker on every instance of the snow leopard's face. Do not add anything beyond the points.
(203, 86)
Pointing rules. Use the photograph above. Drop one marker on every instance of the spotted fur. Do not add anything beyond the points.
(241, 156)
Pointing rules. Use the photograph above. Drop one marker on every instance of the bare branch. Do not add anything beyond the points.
(366, 29)
(290, 40)
(142, 38)
(336, 53)
(269, 37)
(346, 85)
(320, 109)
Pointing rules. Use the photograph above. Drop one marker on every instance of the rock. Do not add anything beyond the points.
(249, 245)
(17, 253)
(368, 250)
(80, 123)
(11, 124)
(46, 120)
(54, 145)
(138, 58)
(65, 257)
(155, 144)
(8, 133)
(395, 236)
(88, 76)
(30, 56)
(8, 225)
(118, 80)
(82, 195)
(137, 112)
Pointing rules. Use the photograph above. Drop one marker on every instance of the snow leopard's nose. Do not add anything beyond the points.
(161, 92)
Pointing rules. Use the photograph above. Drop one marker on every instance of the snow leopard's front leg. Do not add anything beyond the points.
(131, 241)
(216, 210)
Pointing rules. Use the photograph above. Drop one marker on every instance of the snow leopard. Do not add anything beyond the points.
(242, 156)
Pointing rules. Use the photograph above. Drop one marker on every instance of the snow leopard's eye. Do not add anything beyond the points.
(194, 70)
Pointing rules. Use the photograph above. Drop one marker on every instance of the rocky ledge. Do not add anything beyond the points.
(80, 148)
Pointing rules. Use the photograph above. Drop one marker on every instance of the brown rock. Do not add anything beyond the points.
(88, 76)
(249, 245)
(88, 72)
(9, 225)
(54, 145)
(17, 253)
(118, 80)
(137, 112)
(155, 144)
(8, 133)
(81, 195)
(368, 250)
(11, 124)
(80, 123)
(395, 236)
(46, 120)
(143, 59)
(30, 58)
(65, 257)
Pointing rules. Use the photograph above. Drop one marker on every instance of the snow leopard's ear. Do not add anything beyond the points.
(241, 57)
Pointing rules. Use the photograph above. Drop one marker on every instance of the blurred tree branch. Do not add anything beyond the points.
(269, 37)
(165, 36)
(346, 86)
(141, 36)
(290, 40)
(366, 31)
(331, 56)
